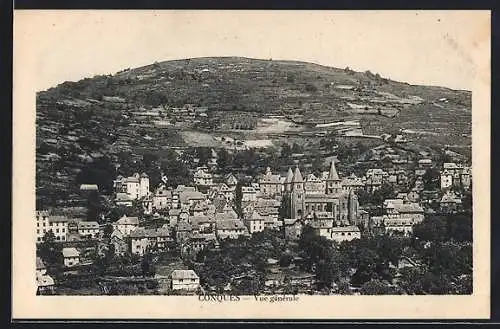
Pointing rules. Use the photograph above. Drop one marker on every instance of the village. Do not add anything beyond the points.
(225, 231)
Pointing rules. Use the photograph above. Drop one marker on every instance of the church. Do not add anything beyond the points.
(314, 196)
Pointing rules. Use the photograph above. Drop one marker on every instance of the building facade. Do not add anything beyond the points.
(46, 222)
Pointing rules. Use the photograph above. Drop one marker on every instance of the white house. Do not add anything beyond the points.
(44, 282)
(162, 198)
(71, 256)
(249, 193)
(186, 280)
(345, 233)
(202, 177)
(230, 228)
(136, 186)
(88, 229)
(254, 222)
(46, 222)
(126, 224)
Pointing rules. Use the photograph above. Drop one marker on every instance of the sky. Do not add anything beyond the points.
(418, 47)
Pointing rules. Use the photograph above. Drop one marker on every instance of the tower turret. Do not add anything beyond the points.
(288, 180)
(333, 183)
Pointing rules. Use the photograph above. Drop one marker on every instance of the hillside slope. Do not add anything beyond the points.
(80, 122)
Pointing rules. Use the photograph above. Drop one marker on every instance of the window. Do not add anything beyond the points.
(37, 224)
(193, 280)
(57, 238)
(57, 230)
(37, 231)
(63, 230)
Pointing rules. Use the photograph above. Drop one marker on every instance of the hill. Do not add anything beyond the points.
(210, 101)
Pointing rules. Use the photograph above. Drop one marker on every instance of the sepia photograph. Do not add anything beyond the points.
(266, 157)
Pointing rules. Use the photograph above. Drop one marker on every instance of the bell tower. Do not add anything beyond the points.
(333, 184)
(297, 197)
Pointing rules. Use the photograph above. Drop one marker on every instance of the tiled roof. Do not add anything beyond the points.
(174, 212)
(122, 197)
(409, 208)
(188, 195)
(70, 252)
(117, 233)
(322, 223)
(91, 187)
(184, 188)
(184, 274)
(229, 224)
(197, 220)
(290, 221)
(150, 233)
(88, 225)
(128, 221)
(57, 218)
(183, 226)
(226, 215)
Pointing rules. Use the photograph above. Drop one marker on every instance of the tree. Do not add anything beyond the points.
(147, 265)
(101, 172)
(431, 229)
(459, 227)
(285, 260)
(327, 271)
(108, 230)
(310, 87)
(386, 191)
(376, 287)
(286, 151)
(224, 160)
(364, 197)
(248, 286)
(296, 148)
(203, 153)
(238, 196)
(431, 178)
(343, 288)
(50, 251)
(93, 205)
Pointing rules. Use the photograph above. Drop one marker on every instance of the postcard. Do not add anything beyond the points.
(184, 164)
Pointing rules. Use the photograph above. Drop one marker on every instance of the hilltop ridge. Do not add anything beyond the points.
(195, 102)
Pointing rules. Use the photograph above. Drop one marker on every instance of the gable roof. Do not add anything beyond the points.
(184, 274)
(89, 187)
(128, 221)
(70, 252)
(229, 224)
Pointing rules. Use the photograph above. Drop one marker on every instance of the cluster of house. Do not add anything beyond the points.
(399, 215)
(194, 220)
(64, 228)
(455, 175)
